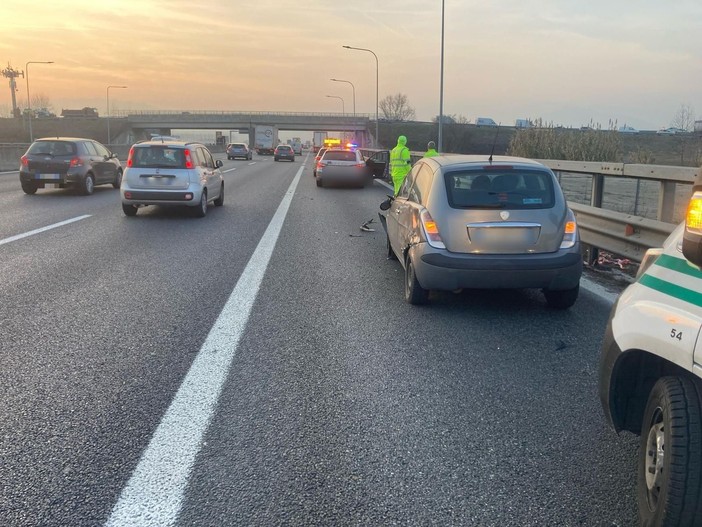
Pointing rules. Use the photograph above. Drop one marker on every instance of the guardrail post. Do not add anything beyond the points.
(666, 201)
(592, 253)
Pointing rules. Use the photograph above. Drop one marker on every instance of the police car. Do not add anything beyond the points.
(651, 373)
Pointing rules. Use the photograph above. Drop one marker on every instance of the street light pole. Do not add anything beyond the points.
(441, 84)
(29, 104)
(353, 88)
(376, 88)
(108, 111)
(342, 102)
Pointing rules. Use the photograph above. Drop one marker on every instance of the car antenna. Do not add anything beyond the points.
(494, 142)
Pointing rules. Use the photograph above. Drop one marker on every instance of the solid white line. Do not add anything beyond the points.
(42, 229)
(154, 494)
(228, 170)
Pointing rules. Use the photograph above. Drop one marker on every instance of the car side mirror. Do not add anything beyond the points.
(385, 205)
(219, 163)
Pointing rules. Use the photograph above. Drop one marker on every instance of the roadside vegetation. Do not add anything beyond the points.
(545, 141)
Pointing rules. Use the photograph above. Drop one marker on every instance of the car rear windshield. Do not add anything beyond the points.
(339, 155)
(158, 156)
(500, 188)
(53, 148)
(284, 148)
(238, 146)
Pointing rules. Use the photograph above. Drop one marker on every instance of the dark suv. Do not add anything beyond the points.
(68, 162)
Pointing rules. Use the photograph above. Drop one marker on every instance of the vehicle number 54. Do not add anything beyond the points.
(675, 334)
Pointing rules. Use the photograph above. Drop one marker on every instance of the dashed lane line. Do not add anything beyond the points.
(42, 229)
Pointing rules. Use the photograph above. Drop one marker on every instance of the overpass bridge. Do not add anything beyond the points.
(136, 125)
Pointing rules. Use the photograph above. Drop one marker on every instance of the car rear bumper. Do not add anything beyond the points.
(443, 270)
(332, 175)
(188, 197)
(43, 179)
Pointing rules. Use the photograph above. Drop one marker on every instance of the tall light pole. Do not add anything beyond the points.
(376, 88)
(441, 83)
(108, 111)
(341, 99)
(29, 105)
(353, 88)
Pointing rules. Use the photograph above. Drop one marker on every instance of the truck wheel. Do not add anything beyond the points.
(670, 458)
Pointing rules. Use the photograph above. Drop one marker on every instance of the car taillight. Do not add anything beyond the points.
(570, 232)
(431, 230)
(188, 159)
(360, 165)
(693, 218)
(130, 158)
(76, 162)
(24, 161)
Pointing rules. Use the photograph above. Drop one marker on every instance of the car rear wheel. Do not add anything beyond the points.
(29, 187)
(129, 210)
(118, 180)
(415, 294)
(201, 209)
(319, 182)
(670, 458)
(562, 299)
(220, 200)
(88, 186)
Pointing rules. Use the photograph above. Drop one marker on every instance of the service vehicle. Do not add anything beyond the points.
(650, 373)
(265, 139)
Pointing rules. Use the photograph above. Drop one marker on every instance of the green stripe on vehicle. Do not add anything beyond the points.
(686, 295)
(678, 264)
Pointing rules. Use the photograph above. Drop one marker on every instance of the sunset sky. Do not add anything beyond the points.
(565, 61)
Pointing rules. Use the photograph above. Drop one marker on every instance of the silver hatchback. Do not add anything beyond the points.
(169, 172)
(474, 222)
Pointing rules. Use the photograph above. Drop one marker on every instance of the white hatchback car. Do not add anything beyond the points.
(169, 172)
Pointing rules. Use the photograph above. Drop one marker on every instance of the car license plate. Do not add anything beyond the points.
(47, 176)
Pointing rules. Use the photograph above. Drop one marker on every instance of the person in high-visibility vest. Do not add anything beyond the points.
(431, 149)
(400, 163)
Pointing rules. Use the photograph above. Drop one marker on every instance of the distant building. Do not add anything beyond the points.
(89, 113)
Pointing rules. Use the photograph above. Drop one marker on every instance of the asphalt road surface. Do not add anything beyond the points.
(259, 366)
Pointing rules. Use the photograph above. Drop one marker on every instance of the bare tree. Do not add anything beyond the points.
(684, 118)
(39, 100)
(396, 108)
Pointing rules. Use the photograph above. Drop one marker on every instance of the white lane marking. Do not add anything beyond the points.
(42, 229)
(228, 170)
(599, 290)
(10, 172)
(155, 491)
(253, 163)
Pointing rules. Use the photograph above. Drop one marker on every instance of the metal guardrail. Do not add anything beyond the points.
(625, 234)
